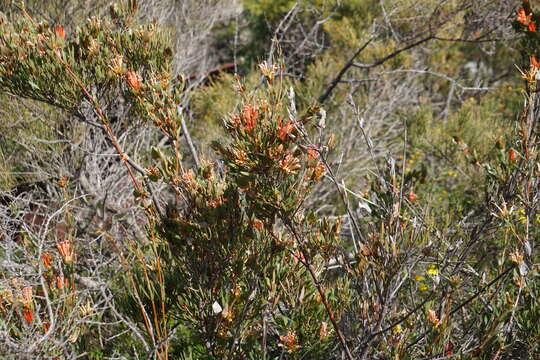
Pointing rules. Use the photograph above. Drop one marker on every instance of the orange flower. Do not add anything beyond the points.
(62, 182)
(532, 27)
(46, 326)
(298, 256)
(312, 154)
(187, 175)
(61, 282)
(534, 62)
(46, 258)
(318, 171)
(65, 248)
(134, 80)
(258, 224)
(284, 130)
(288, 342)
(290, 164)
(522, 17)
(59, 31)
(512, 155)
(249, 117)
(412, 196)
(28, 315)
(27, 295)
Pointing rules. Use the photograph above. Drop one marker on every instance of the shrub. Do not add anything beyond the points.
(234, 260)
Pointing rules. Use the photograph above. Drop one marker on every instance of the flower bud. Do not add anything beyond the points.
(60, 32)
(134, 80)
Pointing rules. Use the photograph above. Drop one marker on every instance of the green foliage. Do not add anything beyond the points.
(232, 252)
(435, 257)
(458, 146)
(35, 55)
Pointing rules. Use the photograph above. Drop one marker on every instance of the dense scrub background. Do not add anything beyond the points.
(230, 179)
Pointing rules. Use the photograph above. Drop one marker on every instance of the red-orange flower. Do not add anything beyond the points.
(318, 171)
(312, 154)
(412, 196)
(46, 258)
(290, 164)
(512, 155)
(288, 342)
(28, 315)
(134, 80)
(61, 282)
(522, 17)
(525, 19)
(59, 31)
(65, 248)
(258, 224)
(249, 117)
(284, 130)
(534, 62)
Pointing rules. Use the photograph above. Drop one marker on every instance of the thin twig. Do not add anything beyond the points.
(306, 263)
(191, 146)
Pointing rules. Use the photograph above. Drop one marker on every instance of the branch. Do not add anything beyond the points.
(188, 139)
(342, 72)
(305, 261)
(394, 54)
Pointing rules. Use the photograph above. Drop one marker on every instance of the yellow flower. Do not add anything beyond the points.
(422, 287)
(419, 278)
(432, 270)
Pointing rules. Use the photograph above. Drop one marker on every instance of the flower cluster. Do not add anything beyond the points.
(289, 342)
(66, 250)
(526, 19)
